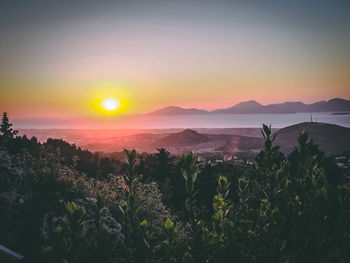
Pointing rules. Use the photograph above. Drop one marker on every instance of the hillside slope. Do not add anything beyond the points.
(185, 138)
(242, 144)
(330, 138)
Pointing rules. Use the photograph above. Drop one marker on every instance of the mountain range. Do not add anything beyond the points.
(253, 107)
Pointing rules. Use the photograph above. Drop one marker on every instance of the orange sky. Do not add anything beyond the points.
(61, 61)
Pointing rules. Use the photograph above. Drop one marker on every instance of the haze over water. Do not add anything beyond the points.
(193, 121)
(242, 120)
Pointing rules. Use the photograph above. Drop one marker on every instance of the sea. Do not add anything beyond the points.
(236, 120)
(187, 121)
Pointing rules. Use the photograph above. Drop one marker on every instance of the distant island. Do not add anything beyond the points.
(253, 107)
(341, 113)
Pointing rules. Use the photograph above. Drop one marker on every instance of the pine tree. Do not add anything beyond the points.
(6, 127)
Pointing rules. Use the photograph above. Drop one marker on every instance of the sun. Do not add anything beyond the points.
(110, 104)
(107, 101)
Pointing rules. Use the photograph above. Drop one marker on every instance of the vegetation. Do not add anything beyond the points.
(59, 203)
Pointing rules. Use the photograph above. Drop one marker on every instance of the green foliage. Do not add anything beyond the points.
(68, 241)
(169, 247)
(83, 161)
(130, 177)
(293, 208)
(143, 217)
(269, 159)
(163, 174)
(85, 233)
(189, 171)
(222, 224)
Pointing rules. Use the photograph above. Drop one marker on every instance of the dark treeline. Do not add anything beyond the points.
(93, 165)
(59, 203)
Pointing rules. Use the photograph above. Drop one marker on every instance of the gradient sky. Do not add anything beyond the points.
(58, 58)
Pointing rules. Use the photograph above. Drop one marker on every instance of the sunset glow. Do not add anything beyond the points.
(110, 104)
(64, 60)
(116, 113)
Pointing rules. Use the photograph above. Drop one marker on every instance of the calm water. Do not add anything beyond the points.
(234, 120)
(187, 121)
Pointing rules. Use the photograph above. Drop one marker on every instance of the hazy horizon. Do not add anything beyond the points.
(210, 119)
(183, 121)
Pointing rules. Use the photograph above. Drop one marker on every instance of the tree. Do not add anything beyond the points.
(6, 130)
(189, 171)
(163, 173)
(135, 229)
(163, 165)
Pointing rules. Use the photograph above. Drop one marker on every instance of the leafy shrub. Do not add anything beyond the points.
(85, 233)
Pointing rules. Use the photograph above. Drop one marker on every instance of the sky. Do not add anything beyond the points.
(60, 59)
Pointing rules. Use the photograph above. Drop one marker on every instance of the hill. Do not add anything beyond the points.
(330, 138)
(185, 138)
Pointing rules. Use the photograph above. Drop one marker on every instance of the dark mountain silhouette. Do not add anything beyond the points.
(253, 107)
(173, 110)
(185, 138)
(244, 107)
(330, 138)
(331, 105)
(286, 107)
